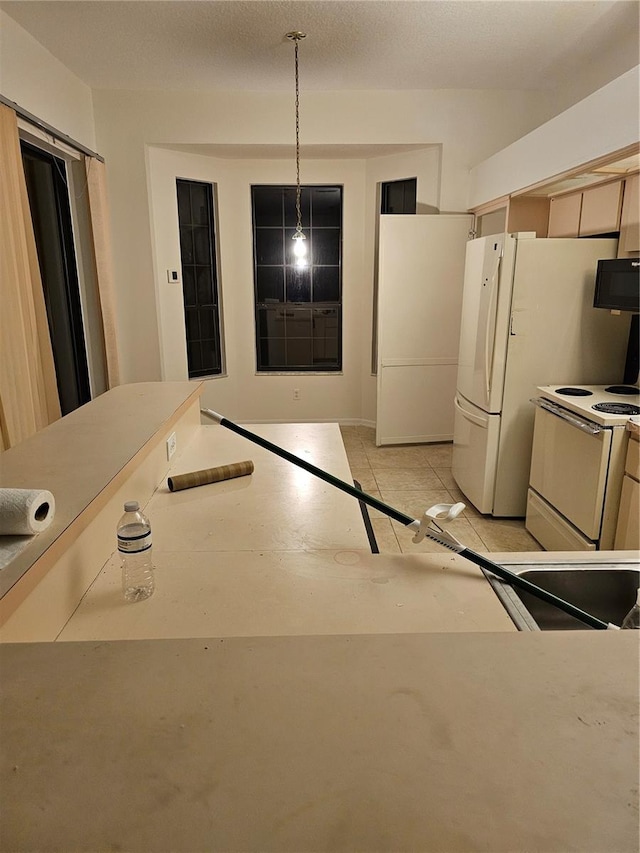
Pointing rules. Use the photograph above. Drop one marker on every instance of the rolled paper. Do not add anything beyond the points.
(25, 511)
(210, 475)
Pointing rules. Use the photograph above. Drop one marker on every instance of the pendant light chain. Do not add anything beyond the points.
(298, 211)
(300, 249)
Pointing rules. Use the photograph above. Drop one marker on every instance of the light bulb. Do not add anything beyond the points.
(300, 249)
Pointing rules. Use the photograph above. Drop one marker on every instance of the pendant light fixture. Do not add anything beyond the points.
(299, 238)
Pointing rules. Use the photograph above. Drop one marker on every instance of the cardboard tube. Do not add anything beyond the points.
(210, 475)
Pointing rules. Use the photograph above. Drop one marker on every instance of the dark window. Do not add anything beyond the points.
(298, 309)
(199, 277)
(46, 178)
(399, 196)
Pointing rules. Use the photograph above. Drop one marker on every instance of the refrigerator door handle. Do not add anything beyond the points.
(575, 420)
(475, 419)
(490, 330)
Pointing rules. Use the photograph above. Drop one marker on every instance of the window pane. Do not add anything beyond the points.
(325, 351)
(199, 277)
(399, 196)
(184, 203)
(204, 286)
(207, 323)
(289, 246)
(290, 214)
(186, 244)
(202, 247)
(267, 206)
(299, 323)
(326, 245)
(298, 284)
(188, 285)
(326, 206)
(325, 322)
(269, 246)
(271, 322)
(199, 205)
(210, 357)
(299, 352)
(270, 284)
(194, 357)
(272, 353)
(192, 323)
(285, 333)
(326, 284)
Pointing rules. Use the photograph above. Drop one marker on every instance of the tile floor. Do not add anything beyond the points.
(412, 478)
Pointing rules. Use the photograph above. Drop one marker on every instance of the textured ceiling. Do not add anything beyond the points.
(358, 44)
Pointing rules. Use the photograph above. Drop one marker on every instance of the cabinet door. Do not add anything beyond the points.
(630, 218)
(601, 209)
(564, 215)
(628, 529)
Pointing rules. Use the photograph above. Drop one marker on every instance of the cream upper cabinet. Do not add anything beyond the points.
(630, 217)
(600, 212)
(564, 215)
(593, 211)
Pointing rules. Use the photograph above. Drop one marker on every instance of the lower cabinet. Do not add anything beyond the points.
(628, 528)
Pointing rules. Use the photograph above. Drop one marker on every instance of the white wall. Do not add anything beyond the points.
(243, 394)
(458, 129)
(463, 128)
(35, 80)
(604, 122)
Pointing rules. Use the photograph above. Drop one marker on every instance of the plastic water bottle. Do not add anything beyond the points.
(134, 545)
(632, 619)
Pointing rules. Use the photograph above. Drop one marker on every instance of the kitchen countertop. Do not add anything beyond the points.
(279, 552)
(78, 456)
(424, 742)
(286, 690)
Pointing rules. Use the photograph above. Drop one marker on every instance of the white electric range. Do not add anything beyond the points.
(577, 464)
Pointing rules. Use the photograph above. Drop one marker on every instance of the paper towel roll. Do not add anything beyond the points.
(25, 511)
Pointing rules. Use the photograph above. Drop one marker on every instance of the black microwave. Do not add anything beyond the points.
(618, 284)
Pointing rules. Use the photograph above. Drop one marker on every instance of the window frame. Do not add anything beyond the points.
(285, 227)
(211, 191)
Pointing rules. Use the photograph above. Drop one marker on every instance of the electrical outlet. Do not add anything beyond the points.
(296, 393)
(171, 445)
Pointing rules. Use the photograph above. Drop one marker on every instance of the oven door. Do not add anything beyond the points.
(569, 466)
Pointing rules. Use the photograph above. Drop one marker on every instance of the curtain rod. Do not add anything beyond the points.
(61, 137)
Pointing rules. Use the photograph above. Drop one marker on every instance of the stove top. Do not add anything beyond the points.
(607, 405)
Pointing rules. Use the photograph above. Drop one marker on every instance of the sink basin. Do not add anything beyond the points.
(605, 591)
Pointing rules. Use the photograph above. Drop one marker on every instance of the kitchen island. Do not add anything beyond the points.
(285, 689)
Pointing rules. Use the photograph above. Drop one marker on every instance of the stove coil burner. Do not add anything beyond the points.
(617, 408)
(623, 389)
(574, 392)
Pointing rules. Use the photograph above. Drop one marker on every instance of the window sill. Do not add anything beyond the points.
(299, 373)
(207, 378)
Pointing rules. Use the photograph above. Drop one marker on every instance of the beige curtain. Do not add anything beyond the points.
(101, 232)
(28, 390)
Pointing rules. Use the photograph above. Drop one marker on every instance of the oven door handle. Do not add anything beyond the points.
(586, 426)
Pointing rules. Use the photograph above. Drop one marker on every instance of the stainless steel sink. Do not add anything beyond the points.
(605, 590)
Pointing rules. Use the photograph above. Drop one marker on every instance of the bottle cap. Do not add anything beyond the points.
(131, 506)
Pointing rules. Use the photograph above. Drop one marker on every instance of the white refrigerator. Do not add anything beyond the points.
(420, 278)
(527, 320)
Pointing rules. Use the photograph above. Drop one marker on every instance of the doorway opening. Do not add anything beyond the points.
(47, 189)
